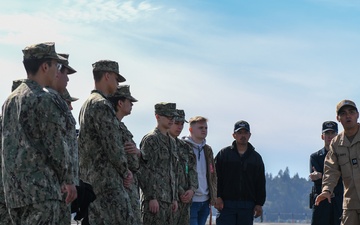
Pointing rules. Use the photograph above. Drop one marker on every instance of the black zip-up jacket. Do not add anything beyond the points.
(240, 178)
(317, 161)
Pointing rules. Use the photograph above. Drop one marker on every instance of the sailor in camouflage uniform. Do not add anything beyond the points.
(58, 87)
(123, 102)
(157, 169)
(36, 160)
(186, 171)
(4, 213)
(102, 157)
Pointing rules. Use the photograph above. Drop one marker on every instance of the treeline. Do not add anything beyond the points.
(287, 198)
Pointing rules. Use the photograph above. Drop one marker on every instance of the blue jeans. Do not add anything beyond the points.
(236, 213)
(199, 212)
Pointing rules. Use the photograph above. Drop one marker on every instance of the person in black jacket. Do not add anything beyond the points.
(241, 188)
(325, 212)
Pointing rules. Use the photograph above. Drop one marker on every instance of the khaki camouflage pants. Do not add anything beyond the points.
(111, 208)
(182, 215)
(4, 215)
(47, 212)
(165, 215)
(134, 196)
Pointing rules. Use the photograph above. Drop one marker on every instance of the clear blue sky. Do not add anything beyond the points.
(280, 65)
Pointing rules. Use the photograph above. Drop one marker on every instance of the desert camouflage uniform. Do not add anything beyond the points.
(187, 179)
(4, 213)
(157, 176)
(103, 161)
(133, 163)
(36, 157)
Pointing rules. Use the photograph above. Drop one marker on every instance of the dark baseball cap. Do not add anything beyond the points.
(242, 124)
(329, 125)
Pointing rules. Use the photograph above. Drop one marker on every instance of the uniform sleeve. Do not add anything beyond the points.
(193, 176)
(52, 126)
(218, 164)
(111, 143)
(332, 171)
(261, 184)
(148, 164)
(213, 177)
(133, 159)
(315, 164)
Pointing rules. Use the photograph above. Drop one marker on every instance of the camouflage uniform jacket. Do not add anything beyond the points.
(133, 159)
(70, 138)
(102, 157)
(157, 167)
(2, 197)
(35, 156)
(187, 174)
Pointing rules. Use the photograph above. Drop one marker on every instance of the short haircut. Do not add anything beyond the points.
(197, 119)
(98, 75)
(114, 101)
(32, 65)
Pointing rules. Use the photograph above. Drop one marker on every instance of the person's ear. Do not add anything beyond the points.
(120, 103)
(338, 118)
(107, 75)
(44, 66)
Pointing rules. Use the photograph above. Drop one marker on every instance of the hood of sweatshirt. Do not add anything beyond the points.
(189, 140)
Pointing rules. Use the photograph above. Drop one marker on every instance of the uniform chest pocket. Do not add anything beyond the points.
(164, 154)
(345, 165)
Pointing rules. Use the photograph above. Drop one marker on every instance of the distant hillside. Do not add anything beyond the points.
(287, 198)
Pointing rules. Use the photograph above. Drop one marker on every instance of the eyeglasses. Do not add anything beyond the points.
(59, 66)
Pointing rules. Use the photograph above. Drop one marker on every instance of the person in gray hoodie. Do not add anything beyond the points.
(205, 195)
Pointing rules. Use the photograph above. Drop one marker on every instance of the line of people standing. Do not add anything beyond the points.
(43, 159)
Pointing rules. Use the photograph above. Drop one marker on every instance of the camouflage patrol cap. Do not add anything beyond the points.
(44, 50)
(16, 83)
(181, 116)
(123, 91)
(66, 96)
(109, 66)
(66, 63)
(166, 109)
